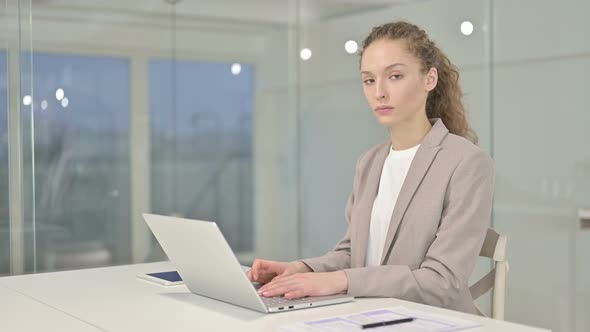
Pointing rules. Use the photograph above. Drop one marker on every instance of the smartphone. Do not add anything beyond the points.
(168, 278)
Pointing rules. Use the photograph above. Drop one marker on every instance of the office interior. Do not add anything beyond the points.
(251, 114)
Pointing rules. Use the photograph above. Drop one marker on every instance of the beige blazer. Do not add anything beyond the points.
(436, 230)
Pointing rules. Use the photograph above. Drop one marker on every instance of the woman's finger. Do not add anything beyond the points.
(281, 287)
(278, 291)
(256, 267)
(295, 294)
(269, 286)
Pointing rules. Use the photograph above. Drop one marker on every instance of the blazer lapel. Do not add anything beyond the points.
(361, 234)
(418, 169)
(422, 160)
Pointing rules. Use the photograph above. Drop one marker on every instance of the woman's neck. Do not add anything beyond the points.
(409, 134)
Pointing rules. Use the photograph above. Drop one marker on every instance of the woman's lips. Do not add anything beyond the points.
(384, 109)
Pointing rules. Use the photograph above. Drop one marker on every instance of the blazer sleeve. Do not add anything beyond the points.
(451, 258)
(339, 257)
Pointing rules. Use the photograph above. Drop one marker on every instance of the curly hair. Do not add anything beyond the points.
(445, 101)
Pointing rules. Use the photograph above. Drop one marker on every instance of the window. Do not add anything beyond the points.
(201, 144)
(81, 147)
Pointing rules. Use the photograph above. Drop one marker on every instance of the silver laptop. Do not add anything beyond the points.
(209, 268)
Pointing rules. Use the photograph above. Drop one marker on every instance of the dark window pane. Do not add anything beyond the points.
(81, 160)
(201, 116)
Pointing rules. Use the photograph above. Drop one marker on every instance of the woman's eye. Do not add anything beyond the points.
(396, 76)
(368, 81)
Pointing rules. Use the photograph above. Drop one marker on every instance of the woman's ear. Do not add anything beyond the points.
(431, 79)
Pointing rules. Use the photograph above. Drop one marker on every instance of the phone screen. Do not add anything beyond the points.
(171, 276)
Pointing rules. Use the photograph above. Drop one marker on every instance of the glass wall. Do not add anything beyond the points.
(4, 214)
(145, 106)
(201, 139)
(251, 114)
(81, 150)
(541, 139)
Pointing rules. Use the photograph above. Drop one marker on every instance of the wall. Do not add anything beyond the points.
(542, 55)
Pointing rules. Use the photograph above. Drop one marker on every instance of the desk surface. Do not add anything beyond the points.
(21, 313)
(113, 299)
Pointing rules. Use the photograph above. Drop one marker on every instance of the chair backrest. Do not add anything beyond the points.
(494, 247)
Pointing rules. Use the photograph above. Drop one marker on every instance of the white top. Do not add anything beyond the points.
(393, 175)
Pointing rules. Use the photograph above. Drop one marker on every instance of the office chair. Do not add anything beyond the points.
(494, 247)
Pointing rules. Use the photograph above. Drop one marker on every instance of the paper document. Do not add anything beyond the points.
(423, 321)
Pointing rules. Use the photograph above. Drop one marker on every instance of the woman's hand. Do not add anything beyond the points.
(263, 271)
(306, 284)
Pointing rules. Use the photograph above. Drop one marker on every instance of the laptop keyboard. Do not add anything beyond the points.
(280, 300)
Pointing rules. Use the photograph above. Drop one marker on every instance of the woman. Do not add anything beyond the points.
(421, 202)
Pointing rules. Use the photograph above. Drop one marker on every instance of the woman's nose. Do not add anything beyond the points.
(380, 92)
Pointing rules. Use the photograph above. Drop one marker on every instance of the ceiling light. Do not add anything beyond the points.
(466, 28)
(351, 46)
(305, 54)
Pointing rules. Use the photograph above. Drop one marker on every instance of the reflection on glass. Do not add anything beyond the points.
(81, 160)
(201, 139)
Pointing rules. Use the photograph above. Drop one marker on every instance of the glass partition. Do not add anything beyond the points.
(4, 205)
(81, 160)
(201, 144)
(131, 107)
(541, 139)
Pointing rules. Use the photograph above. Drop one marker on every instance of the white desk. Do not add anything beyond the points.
(112, 299)
(21, 313)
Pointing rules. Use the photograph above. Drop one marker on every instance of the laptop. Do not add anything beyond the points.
(209, 268)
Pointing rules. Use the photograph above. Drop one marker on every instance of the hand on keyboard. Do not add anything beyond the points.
(264, 271)
(306, 284)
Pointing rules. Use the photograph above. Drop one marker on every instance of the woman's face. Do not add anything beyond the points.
(393, 82)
